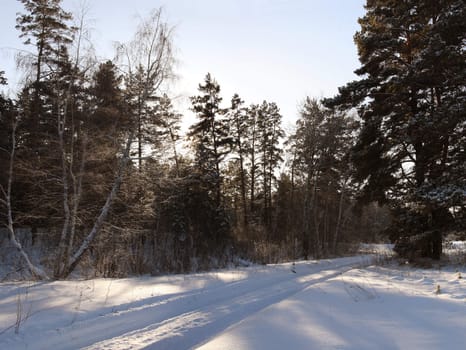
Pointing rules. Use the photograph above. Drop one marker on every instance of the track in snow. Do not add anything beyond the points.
(189, 320)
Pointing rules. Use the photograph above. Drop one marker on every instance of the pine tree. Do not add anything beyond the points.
(168, 130)
(411, 100)
(210, 134)
(43, 105)
(252, 150)
(270, 135)
(440, 70)
(45, 26)
(238, 120)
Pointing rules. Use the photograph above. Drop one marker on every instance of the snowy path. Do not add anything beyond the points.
(363, 309)
(216, 310)
(187, 319)
(328, 304)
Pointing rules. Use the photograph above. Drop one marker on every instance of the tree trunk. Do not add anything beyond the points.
(60, 262)
(243, 185)
(337, 226)
(77, 256)
(317, 247)
(77, 192)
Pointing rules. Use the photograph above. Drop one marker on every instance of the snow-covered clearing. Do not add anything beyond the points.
(342, 303)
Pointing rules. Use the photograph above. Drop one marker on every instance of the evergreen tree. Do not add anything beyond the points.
(43, 108)
(270, 136)
(108, 123)
(7, 115)
(168, 130)
(45, 26)
(411, 100)
(210, 134)
(192, 233)
(252, 150)
(238, 120)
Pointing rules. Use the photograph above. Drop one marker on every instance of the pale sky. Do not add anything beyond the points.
(275, 50)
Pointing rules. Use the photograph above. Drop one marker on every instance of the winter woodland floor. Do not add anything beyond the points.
(346, 303)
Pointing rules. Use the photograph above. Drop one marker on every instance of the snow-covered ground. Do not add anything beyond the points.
(345, 303)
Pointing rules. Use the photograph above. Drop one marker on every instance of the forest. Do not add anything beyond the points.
(97, 175)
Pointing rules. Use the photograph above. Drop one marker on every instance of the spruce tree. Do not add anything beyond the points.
(106, 129)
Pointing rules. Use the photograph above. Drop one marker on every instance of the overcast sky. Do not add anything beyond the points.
(275, 50)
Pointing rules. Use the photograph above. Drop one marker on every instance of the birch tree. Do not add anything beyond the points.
(147, 63)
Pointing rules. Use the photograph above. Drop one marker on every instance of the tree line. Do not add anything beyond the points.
(92, 160)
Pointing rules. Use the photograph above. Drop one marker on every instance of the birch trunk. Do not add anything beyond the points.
(77, 256)
(60, 263)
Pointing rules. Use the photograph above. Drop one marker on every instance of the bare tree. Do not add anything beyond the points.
(148, 63)
(72, 179)
(84, 246)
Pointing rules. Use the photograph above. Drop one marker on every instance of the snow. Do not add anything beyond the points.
(372, 308)
(345, 303)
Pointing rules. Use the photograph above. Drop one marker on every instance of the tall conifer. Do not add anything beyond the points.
(210, 134)
(411, 99)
